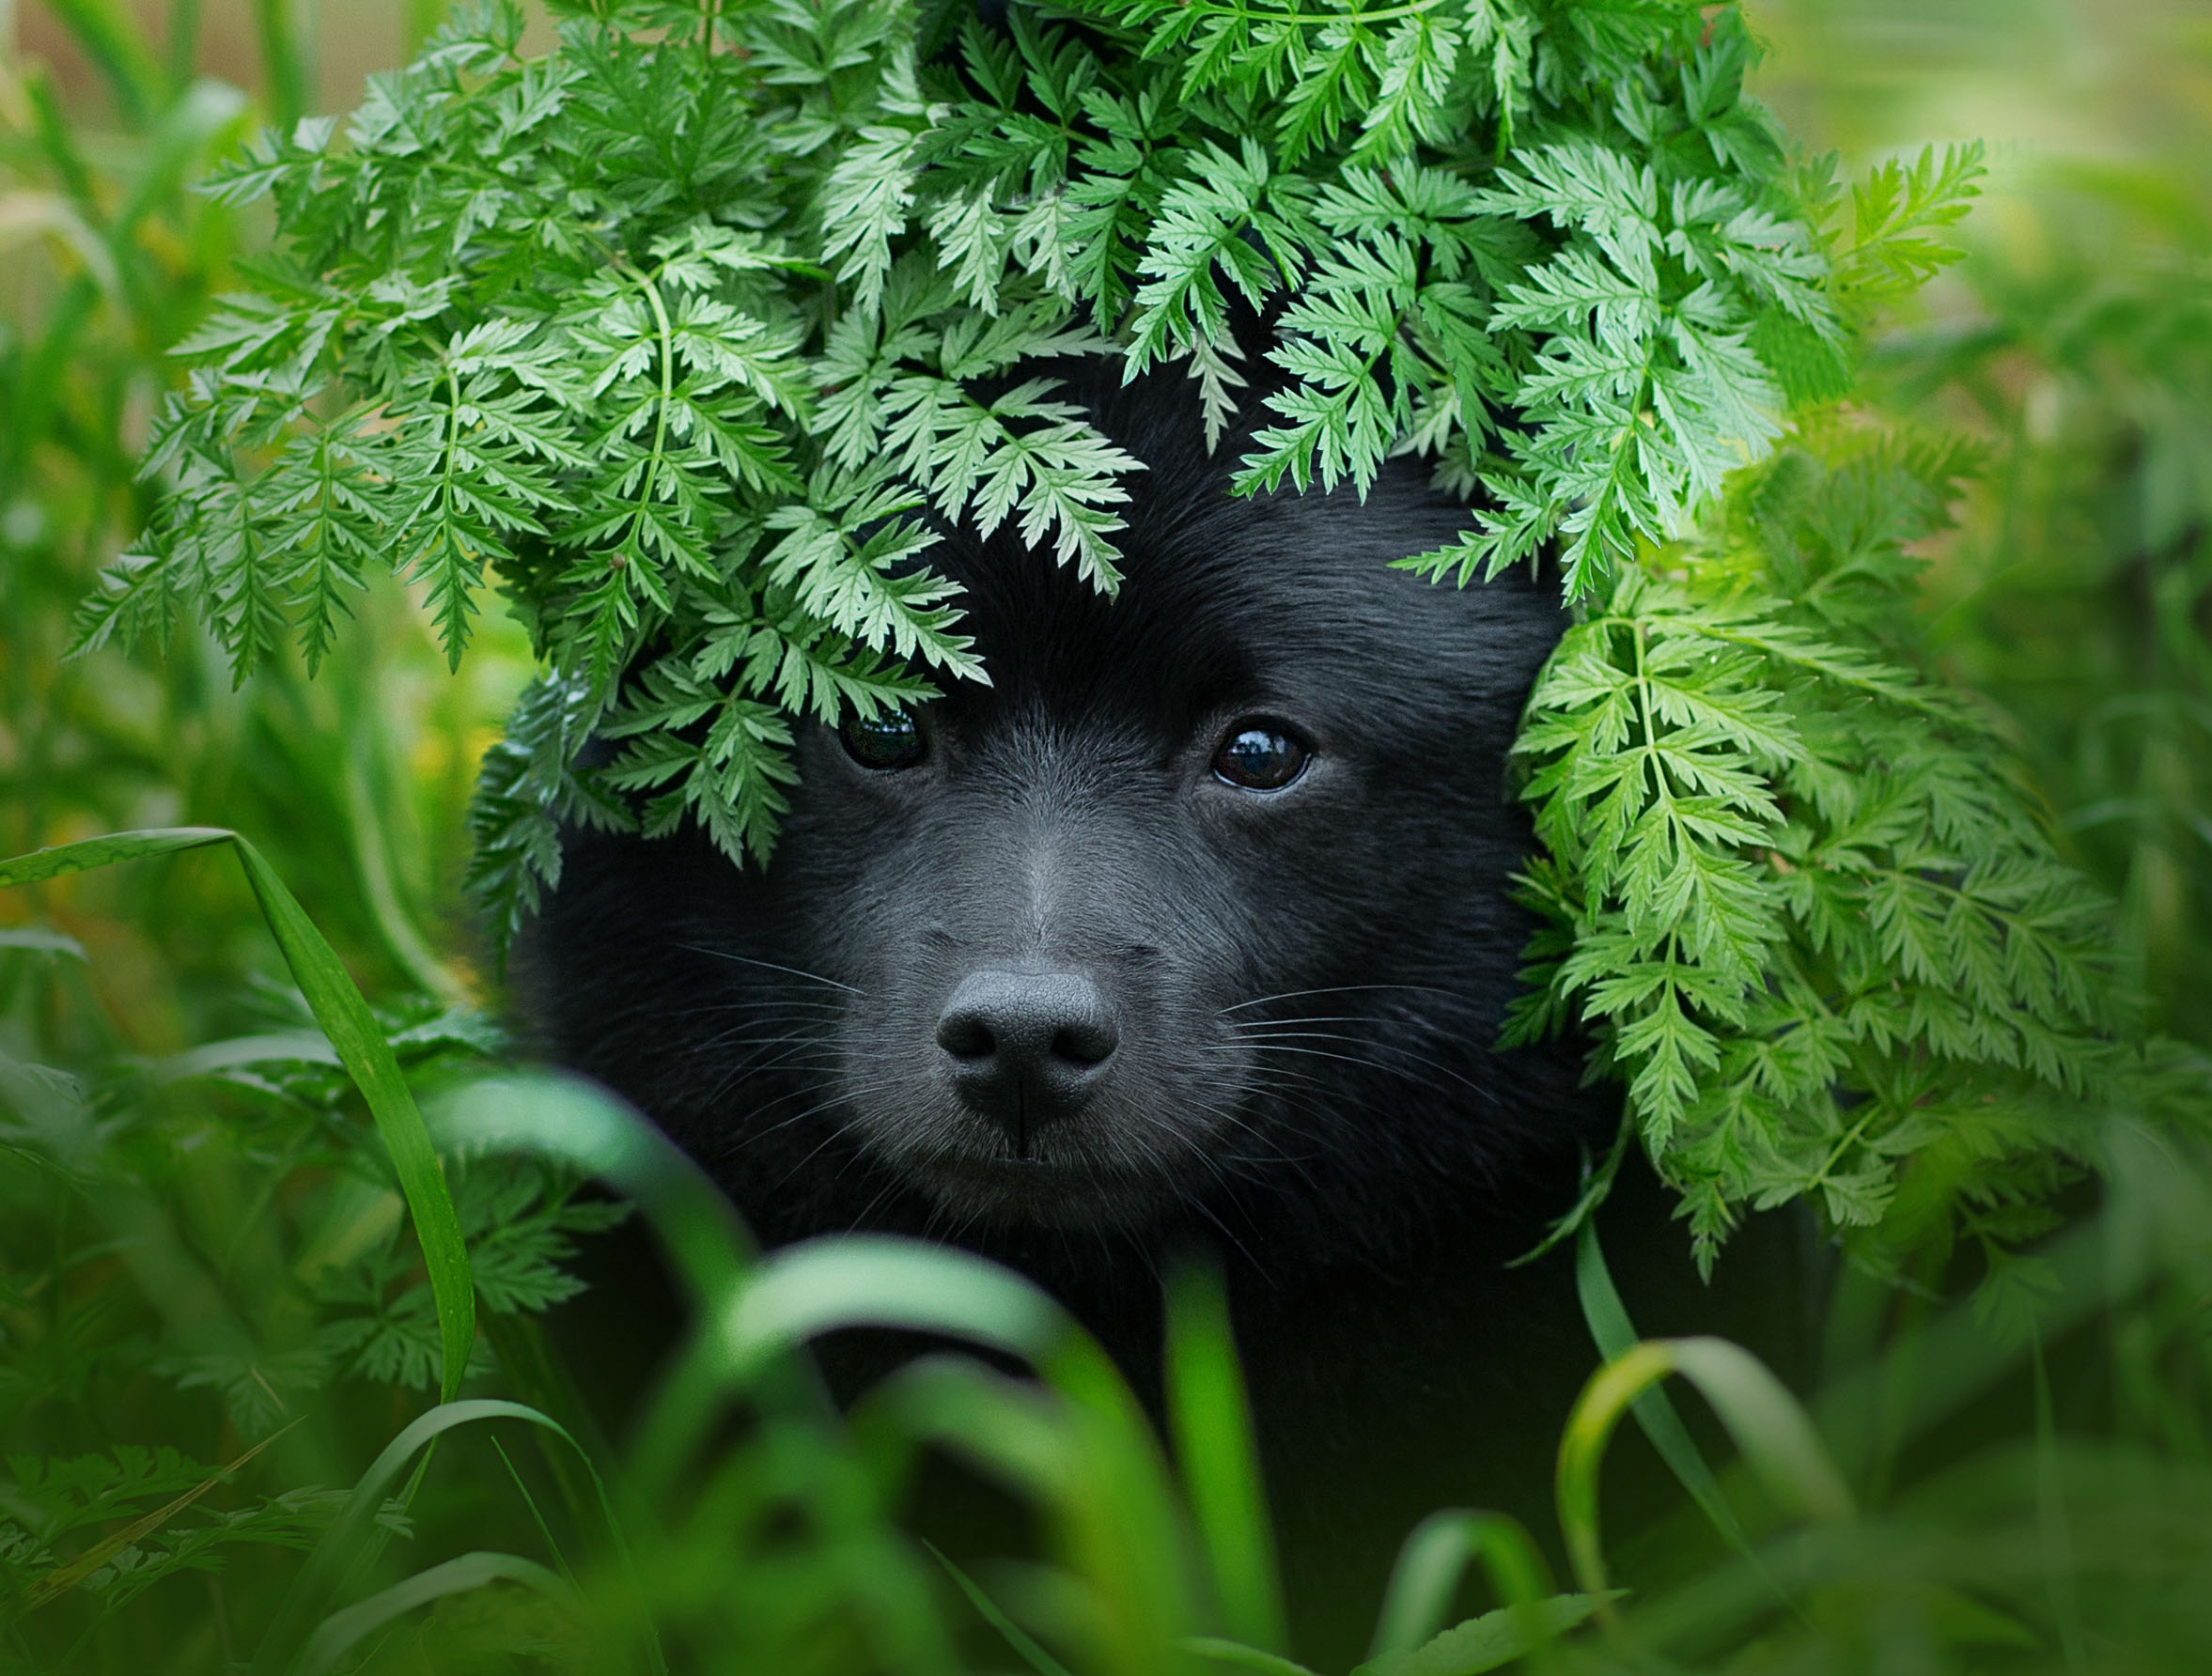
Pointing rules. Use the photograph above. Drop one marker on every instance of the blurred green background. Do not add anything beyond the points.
(2073, 343)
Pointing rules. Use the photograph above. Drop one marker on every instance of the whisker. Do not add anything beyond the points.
(1377, 1065)
(814, 1111)
(777, 999)
(1241, 1025)
(1262, 1000)
(806, 1090)
(753, 1065)
(739, 1035)
(793, 971)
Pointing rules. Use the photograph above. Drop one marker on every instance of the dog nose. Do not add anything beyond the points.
(1027, 1047)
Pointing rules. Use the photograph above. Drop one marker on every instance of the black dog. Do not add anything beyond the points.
(1193, 927)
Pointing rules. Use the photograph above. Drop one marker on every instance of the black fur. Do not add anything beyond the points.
(1307, 985)
(1066, 817)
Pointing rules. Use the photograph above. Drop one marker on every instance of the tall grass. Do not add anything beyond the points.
(1890, 1523)
(246, 1422)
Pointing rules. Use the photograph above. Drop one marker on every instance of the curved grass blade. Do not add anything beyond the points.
(583, 1125)
(1615, 1336)
(40, 940)
(1006, 1428)
(580, 1124)
(341, 1630)
(1107, 1502)
(320, 1578)
(877, 1280)
(345, 1018)
(1409, 1640)
(1242, 1657)
(1119, 1519)
(1526, 1630)
(1768, 1423)
(1210, 1420)
(1431, 1562)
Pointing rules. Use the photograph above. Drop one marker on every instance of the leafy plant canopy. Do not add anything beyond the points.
(686, 334)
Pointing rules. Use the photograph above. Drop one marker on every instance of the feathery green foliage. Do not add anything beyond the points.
(686, 334)
(1815, 924)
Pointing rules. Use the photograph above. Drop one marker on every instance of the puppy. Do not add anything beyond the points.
(1193, 928)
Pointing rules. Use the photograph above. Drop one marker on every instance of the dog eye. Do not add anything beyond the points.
(888, 739)
(1260, 756)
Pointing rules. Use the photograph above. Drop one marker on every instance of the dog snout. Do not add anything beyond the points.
(1027, 1049)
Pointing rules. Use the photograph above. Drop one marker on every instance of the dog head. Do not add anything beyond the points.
(1203, 900)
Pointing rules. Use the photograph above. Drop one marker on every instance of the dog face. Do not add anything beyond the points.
(1201, 901)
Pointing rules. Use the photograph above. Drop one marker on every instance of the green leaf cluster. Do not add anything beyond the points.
(272, 1308)
(1813, 923)
(691, 335)
(694, 335)
(58, 1502)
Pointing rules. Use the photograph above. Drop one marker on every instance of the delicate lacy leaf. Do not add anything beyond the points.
(1794, 896)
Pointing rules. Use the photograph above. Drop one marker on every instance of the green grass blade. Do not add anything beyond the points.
(320, 1578)
(373, 859)
(345, 1018)
(1244, 1658)
(1615, 1336)
(535, 1374)
(1024, 1644)
(1434, 1558)
(1483, 1643)
(583, 1125)
(34, 391)
(713, 1254)
(341, 1630)
(1094, 1475)
(1118, 1516)
(2052, 1525)
(184, 42)
(353, 1031)
(37, 939)
(1008, 1430)
(100, 852)
(1768, 1423)
(875, 1280)
(202, 117)
(545, 1532)
(1210, 1419)
(1409, 1637)
(283, 61)
(58, 142)
(106, 33)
